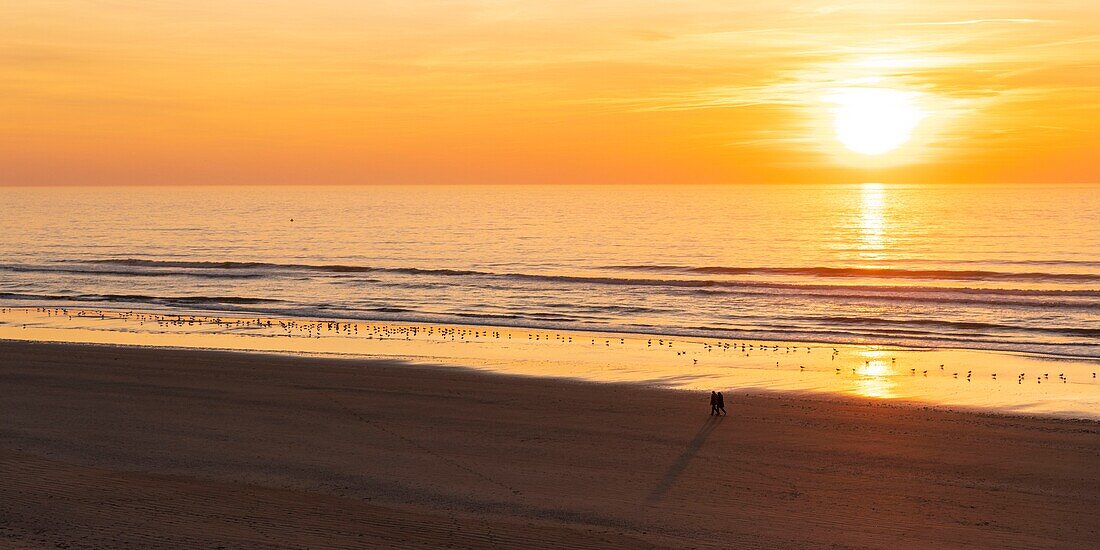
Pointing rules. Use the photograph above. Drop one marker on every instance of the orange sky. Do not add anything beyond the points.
(526, 91)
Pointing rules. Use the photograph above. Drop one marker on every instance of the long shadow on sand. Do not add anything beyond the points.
(683, 460)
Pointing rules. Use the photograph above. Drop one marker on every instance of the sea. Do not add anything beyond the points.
(990, 267)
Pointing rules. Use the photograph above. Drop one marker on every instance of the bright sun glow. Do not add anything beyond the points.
(873, 121)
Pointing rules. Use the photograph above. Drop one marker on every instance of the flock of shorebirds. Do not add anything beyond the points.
(969, 374)
(314, 329)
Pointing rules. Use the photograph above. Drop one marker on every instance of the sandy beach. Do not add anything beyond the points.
(971, 379)
(126, 447)
(476, 274)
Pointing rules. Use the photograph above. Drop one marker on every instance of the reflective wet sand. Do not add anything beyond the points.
(993, 381)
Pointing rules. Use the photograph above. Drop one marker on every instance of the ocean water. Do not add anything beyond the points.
(982, 267)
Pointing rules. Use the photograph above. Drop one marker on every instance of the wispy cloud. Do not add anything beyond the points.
(665, 86)
(978, 22)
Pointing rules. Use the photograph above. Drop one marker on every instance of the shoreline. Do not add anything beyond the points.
(112, 446)
(756, 393)
(1005, 382)
(656, 332)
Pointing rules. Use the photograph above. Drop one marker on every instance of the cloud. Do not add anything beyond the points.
(978, 22)
(703, 82)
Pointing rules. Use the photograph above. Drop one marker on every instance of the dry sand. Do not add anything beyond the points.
(123, 447)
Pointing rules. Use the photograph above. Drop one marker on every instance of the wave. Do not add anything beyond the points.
(957, 326)
(833, 272)
(880, 325)
(227, 269)
(140, 298)
(121, 272)
(329, 268)
(1059, 341)
(1036, 299)
(991, 261)
(872, 273)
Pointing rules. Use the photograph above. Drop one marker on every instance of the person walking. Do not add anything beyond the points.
(713, 403)
(720, 404)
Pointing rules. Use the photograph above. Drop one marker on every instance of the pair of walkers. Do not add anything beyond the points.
(717, 403)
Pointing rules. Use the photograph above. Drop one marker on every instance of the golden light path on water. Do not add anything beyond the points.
(960, 378)
(872, 226)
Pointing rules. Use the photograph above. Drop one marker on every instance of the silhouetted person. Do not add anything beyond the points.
(720, 403)
(713, 403)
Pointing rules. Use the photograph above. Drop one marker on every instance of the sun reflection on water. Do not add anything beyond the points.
(872, 222)
(875, 377)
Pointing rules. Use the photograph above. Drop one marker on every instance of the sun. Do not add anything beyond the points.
(873, 121)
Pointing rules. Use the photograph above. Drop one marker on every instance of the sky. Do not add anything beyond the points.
(533, 91)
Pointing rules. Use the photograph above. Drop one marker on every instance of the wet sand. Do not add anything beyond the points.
(138, 447)
(1012, 383)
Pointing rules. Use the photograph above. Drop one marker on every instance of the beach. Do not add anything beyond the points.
(520, 274)
(136, 447)
(1014, 383)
